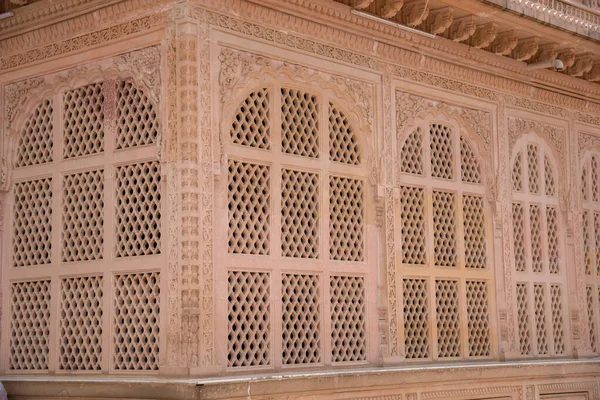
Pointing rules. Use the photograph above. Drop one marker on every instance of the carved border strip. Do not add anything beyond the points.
(444, 394)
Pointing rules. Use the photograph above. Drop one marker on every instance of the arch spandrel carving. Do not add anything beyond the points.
(412, 110)
(140, 67)
(556, 139)
(243, 73)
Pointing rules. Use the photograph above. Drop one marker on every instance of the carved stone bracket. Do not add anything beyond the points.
(462, 28)
(582, 65)
(526, 49)
(438, 21)
(484, 35)
(505, 42)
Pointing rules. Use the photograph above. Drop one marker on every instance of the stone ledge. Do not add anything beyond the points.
(395, 379)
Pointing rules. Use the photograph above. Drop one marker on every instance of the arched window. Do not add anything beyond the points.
(538, 251)
(590, 199)
(444, 245)
(296, 239)
(86, 227)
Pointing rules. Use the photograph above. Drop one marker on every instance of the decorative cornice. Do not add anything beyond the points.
(82, 42)
(445, 394)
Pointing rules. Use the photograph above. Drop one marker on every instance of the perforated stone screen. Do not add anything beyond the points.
(297, 210)
(137, 124)
(444, 245)
(83, 127)
(249, 319)
(136, 321)
(29, 325)
(138, 219)
(86, 232)
(81, 312)
(36, 142)
(32, 222)
(538, 253)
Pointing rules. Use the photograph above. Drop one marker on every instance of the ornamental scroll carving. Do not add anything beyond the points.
(555, 137)
(140, 66)
(238, 67)
(410, 107)
(587, 142)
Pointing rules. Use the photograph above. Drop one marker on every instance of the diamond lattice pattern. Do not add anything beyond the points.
(299, 214)
(442, 151)
(249, 208)
(343, 143)
(539, 304)
(552, 237)
(83, 216)
(533, 168)
(444, 225)
(81, 324)
(249, 313)
(591, 318)
(447, 318)
(523, 319)
(549, 182)
(135, 324)
(251, 124)
(535, 223)
(412, 216)
(137, 124)
(411, 155)
(346, 219)
(32, 223)
(478, 319)
(36, 142)
(517, 174)
(301, 333)
(474, 231)
(519, 236)
(299, 123)
(416, 318)
(558, 324)
(29, 325)
(348, 325)
(469, 165)
(138, 204)
(83, 128)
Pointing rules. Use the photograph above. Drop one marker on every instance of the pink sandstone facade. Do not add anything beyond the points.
(300, 199)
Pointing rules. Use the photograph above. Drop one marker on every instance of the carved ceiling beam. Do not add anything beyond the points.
(462, 29)
(391, 8)
(526, 49)
(438, 21)
(583, 64)
(504, 43)
(567, 56)
(414, 13)
(545, 53)
(362, 4)
(594, 74)
(484, 35)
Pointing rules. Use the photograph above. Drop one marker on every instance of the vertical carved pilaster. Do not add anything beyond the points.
(170, 163)
(207, 154)
(577, 292)
(506, 305)
(390, 259)
(187, 95)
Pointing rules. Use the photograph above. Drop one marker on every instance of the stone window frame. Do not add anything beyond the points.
(274, 263)
(109, 266)
(545, 278)
(590, 203)
(429, 272)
